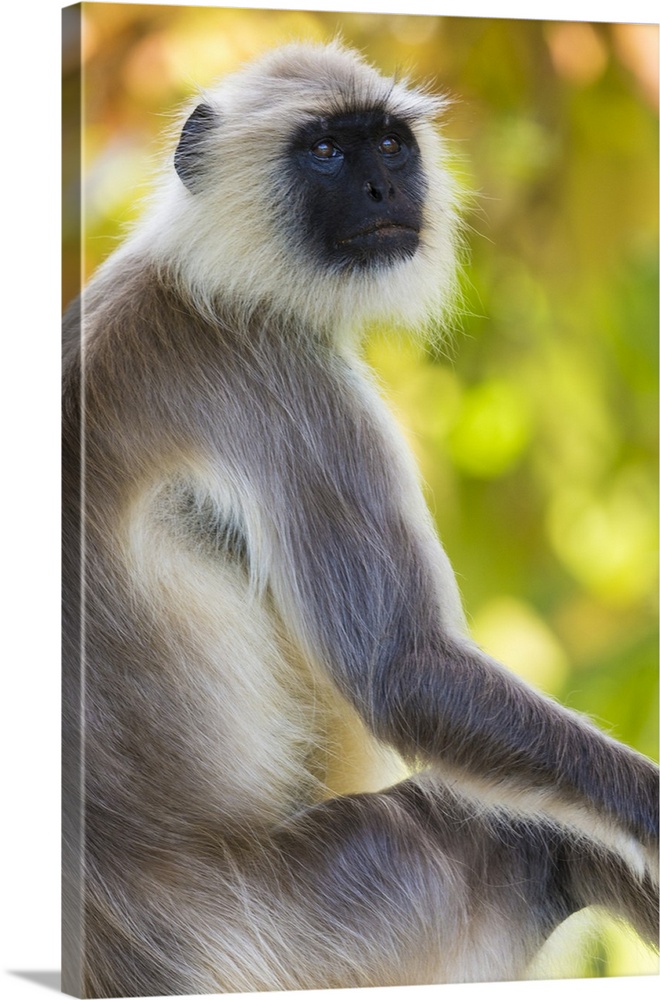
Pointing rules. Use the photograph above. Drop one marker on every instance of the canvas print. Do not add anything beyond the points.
(337, 285)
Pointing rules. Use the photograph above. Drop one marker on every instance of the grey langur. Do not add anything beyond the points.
(286, 763)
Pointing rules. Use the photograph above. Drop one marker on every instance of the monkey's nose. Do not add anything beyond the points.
(377, 191)
(373, 191)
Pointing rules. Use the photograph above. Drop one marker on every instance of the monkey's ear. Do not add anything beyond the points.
(189, 154)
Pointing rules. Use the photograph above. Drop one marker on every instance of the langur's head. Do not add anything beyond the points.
(310, 186)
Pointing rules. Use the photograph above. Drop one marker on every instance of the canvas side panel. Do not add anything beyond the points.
(72, 679)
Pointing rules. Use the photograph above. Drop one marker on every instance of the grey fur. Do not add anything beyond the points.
(256, 561)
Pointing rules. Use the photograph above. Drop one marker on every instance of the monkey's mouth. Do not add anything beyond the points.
(382, 242)
(383, 229)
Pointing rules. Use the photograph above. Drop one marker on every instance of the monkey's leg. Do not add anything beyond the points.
(412, 885)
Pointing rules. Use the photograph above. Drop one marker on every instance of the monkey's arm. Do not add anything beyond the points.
(371, 590)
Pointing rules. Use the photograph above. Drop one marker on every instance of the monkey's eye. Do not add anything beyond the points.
(325, 149)
(390, 145)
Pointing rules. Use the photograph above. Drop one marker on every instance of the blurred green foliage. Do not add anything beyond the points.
(535, 421)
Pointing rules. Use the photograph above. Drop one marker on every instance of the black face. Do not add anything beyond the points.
(362, 189)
